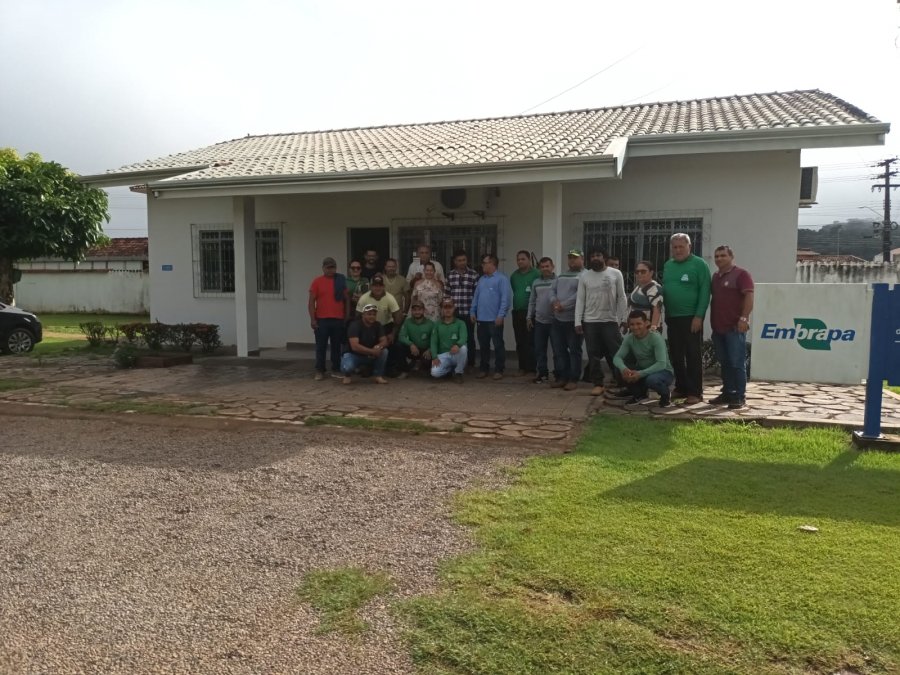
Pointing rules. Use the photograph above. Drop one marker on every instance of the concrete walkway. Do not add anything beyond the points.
(279, 387)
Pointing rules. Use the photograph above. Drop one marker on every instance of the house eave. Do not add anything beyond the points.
(790, 138)
(129, 178)
(499, 173)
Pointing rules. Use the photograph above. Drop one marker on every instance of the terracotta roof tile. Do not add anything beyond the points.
(562, 135)
(122, 247)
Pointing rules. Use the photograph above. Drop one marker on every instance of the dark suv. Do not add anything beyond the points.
(20, 331)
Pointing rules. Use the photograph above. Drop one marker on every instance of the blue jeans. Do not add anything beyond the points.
(541, 338)
(660, 382)
(731, 351)
(329, 330)
(455, 362)
(567, 346)
(351, 361)
(489, 332)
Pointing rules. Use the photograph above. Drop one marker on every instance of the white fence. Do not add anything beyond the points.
(120, 292)
(847, 273)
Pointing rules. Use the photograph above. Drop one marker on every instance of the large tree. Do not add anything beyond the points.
(45, 211)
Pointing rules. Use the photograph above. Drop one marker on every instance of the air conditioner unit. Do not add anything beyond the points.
(453, 198)
(809, 185)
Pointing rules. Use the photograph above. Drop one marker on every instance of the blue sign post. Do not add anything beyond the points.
(884, 357)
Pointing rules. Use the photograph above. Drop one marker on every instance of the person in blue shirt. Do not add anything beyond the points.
(490, 305)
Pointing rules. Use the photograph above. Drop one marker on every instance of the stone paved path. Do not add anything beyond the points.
(284, 392)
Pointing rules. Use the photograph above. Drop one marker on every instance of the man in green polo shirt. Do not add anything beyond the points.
(686, 293)
(448, 343)
(643, 362)
(414, 341)
(521, 281)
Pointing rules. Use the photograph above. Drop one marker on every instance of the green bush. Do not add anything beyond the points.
(94, 331)
(125, 355)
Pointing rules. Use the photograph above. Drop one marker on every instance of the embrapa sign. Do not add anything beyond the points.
(811, 332)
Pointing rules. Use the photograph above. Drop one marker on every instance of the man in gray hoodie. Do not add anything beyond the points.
(540, 320)
(566, 342)
(600, 310)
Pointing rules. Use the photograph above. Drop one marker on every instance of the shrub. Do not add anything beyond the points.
(155, 334)
(125, 355)
(95, 332)
(130, 331)
(208, 336)
(184, 336)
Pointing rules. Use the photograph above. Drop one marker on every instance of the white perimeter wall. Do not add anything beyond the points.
(117, 292)
(751, 199)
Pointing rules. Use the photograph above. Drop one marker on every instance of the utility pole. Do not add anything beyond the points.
(886, 224)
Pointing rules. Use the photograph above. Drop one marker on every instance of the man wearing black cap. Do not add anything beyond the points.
(368, 346)
(328, 297)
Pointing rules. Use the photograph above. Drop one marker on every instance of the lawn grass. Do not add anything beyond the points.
(69, 323)
(660, 547)
(339, 594)
(14, 383)
(62, 346)
(896, 390)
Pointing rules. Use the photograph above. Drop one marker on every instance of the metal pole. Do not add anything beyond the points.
(877, 358)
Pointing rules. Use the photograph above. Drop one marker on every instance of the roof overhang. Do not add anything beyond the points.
(105, 180)
(786, 138)
(500, 173)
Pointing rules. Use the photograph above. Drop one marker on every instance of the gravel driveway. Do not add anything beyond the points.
(128, 547)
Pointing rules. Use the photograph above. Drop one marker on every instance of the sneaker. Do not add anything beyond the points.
(319, 376)
(737, 404)
(403, 375)
(570, 386)
(539, 380)
(634, 400)
(498, 376)
(622, 392)
(597, 391)
(481, 375)
(664, 402)
(558, 384)
(347, 379)
(336, 374)
(380, 380)
(693, 400)
(458, 378)
(721, 399)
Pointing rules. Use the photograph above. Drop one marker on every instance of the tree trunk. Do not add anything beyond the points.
(6, 281)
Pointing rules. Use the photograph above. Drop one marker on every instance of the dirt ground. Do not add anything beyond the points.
(144, 546)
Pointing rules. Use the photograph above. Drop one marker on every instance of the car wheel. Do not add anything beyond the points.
(19, 341)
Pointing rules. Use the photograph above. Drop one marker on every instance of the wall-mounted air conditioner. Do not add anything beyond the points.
(809, 185)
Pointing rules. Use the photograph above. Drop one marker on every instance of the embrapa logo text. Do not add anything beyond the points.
(809, 333)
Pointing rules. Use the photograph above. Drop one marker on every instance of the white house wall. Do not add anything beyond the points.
(751, 199)
(314, 226)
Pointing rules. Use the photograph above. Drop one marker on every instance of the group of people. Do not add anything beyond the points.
(429, 320)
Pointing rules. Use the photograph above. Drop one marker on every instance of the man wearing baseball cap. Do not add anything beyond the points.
(389, 316)
(368, 345)
(328, 298)
(566, 342)
(414, 340)
(448, 343)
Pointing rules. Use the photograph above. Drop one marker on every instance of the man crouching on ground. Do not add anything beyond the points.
(448, 344)
(646, 351)
(368, 346)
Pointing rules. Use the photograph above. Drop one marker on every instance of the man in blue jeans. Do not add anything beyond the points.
(368, 346)
(732, 302)
(490, 305)
(567, 344)
(643, 361)
(540, 321)
(328, 297)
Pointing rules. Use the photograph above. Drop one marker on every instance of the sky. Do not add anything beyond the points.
(99, 84)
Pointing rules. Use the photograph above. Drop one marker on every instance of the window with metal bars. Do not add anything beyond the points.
(633, 240)
(214, 260)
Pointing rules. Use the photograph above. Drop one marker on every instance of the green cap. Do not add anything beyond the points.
(576, 252)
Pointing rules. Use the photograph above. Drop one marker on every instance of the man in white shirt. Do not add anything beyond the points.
(417, 267)
(600, 310)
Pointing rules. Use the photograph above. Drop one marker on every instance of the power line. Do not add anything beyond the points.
(587, 79)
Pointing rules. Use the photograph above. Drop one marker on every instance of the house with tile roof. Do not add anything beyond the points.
(238, 229)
